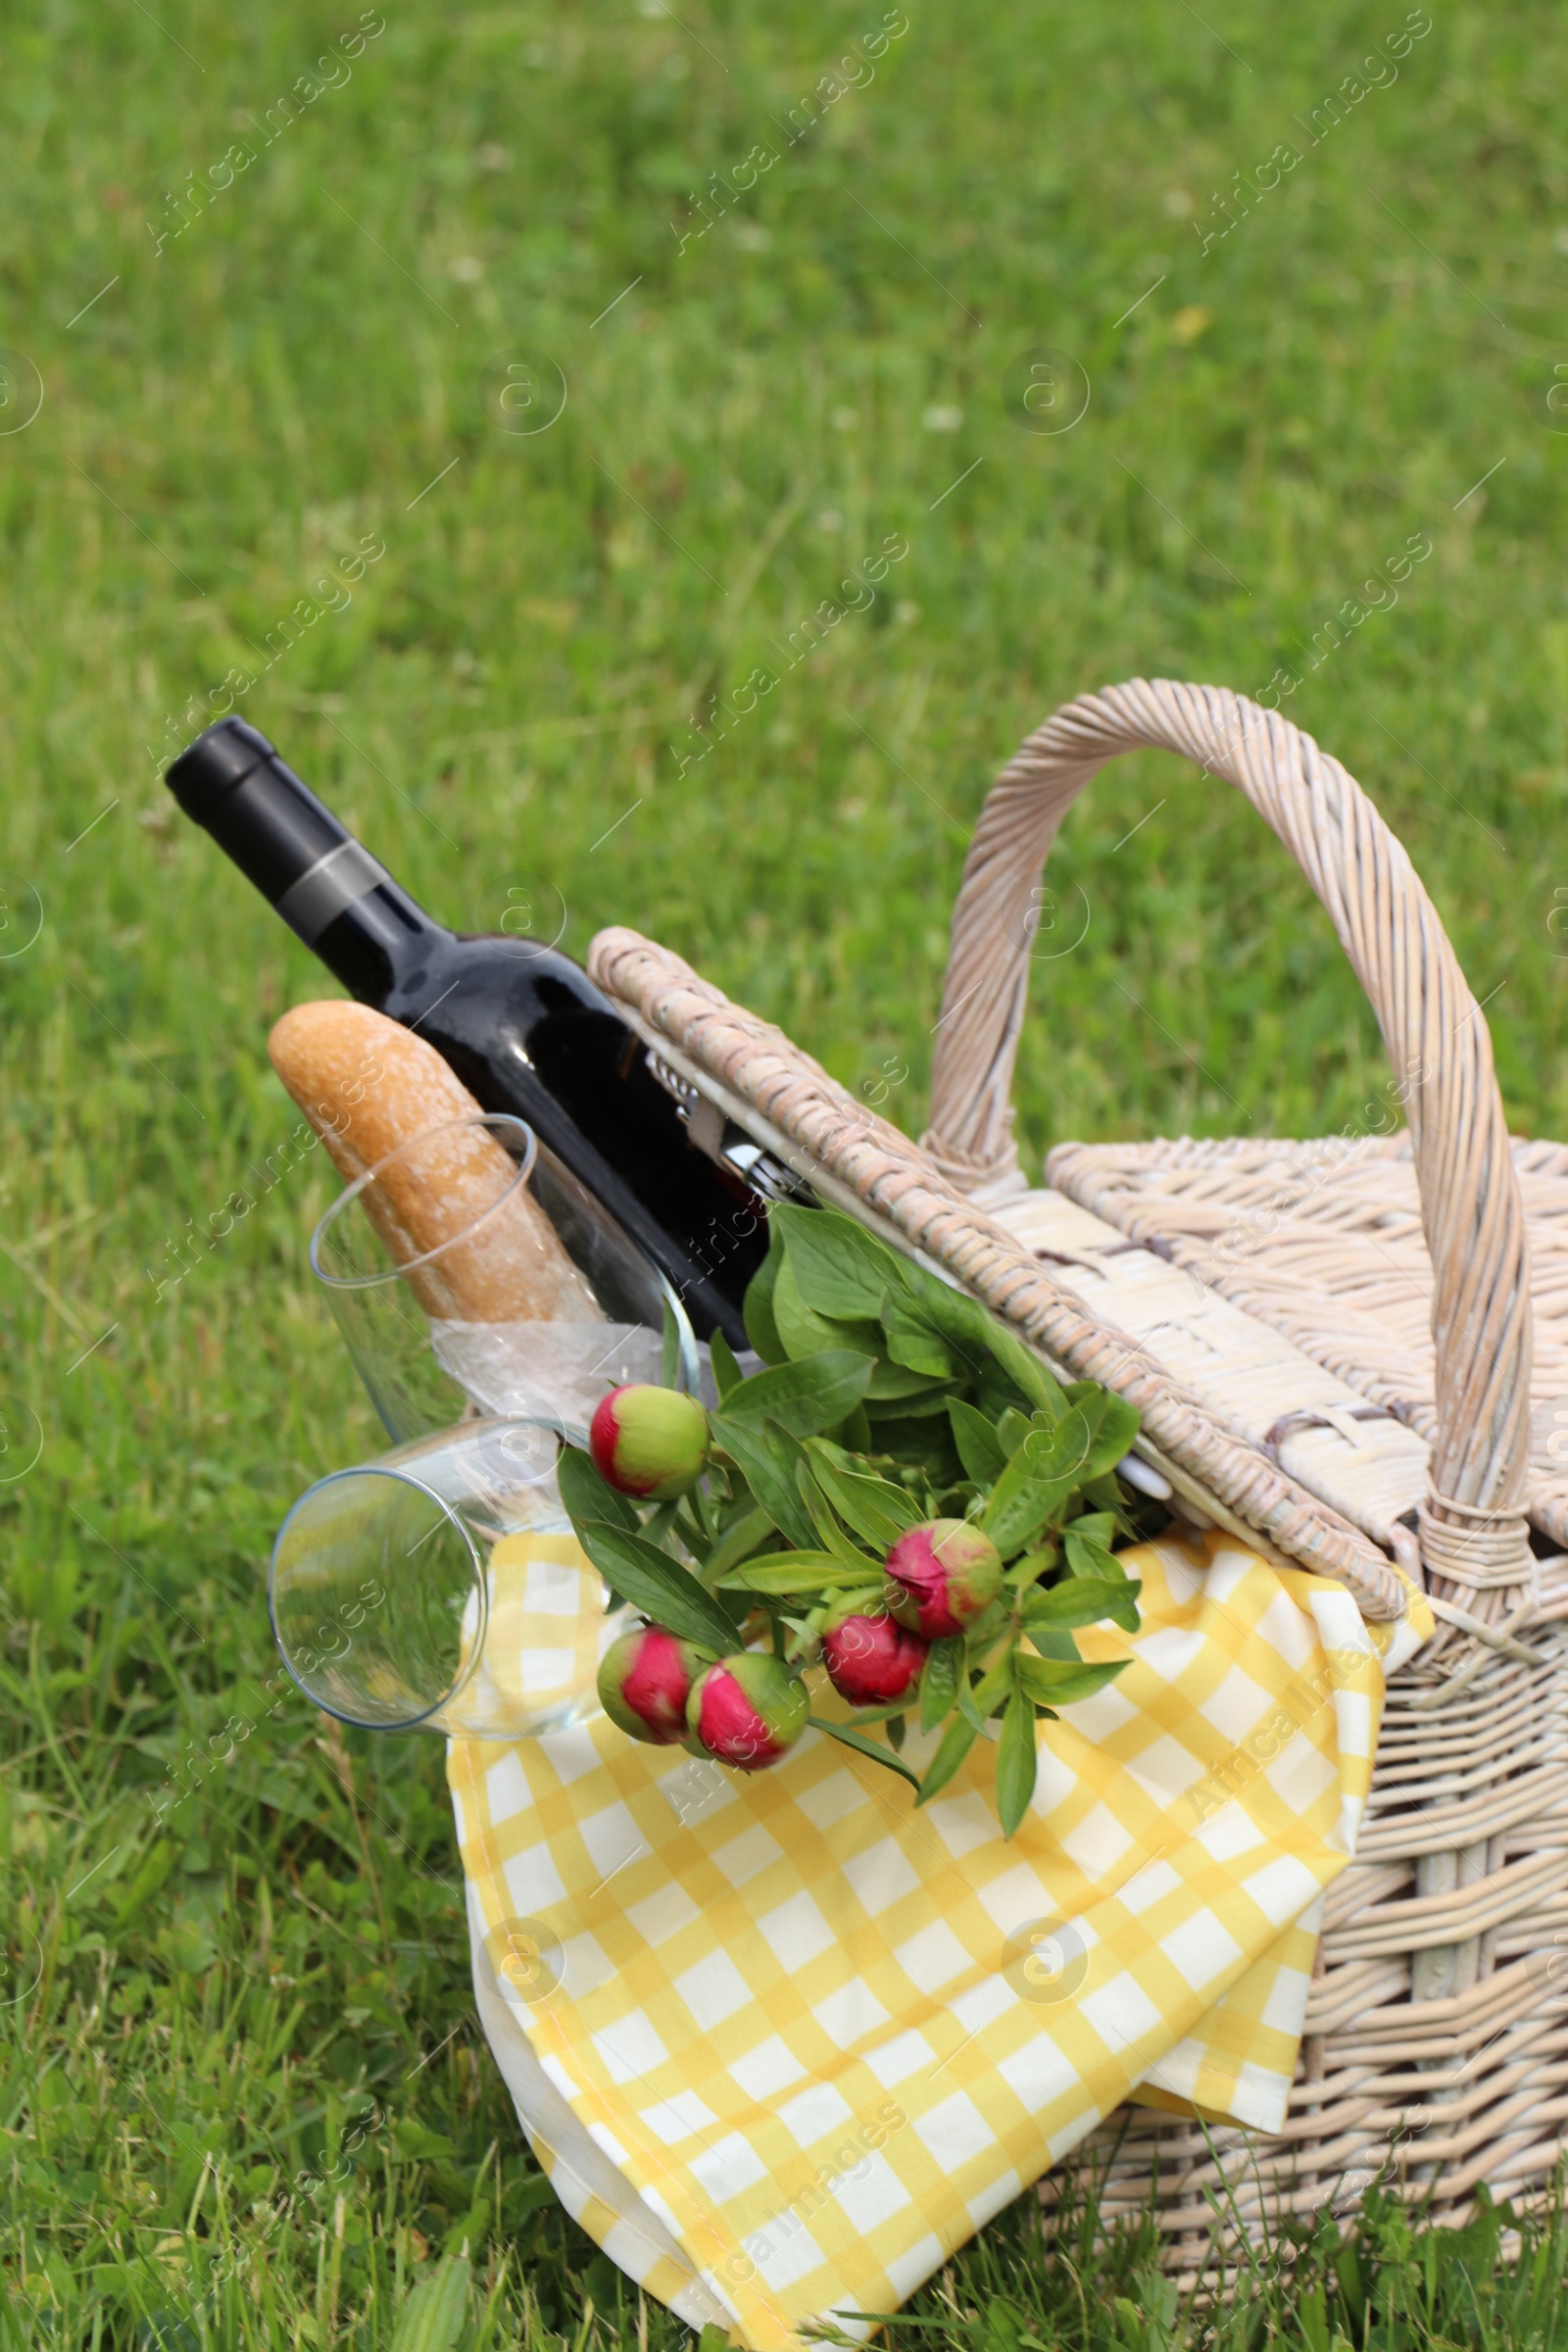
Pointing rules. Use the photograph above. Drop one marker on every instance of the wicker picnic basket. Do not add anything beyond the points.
(1331, 1348)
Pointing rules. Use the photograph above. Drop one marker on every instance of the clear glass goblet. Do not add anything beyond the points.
(441, 1589)
(594, 1312)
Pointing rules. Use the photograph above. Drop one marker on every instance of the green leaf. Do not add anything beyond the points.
(842, 1270)
(650, 1581)
(760, 1328)
(868, 1747)
(1066, 1443)
(1016, 1757)
(927, 1403)
(1023, 1368)
(1054, 1641)
(978, 1700)
(876, 1510)
(659, 1522)
(855, 1431)
(940, 1677)
(746, 1534)
(995, 1393)
(727, 1373)
(585, 1495)
(1107, 1493)
(1013, 1429)
(1084, 1601)
(1089, 1553)
(431, 2320)
(1039, 1481)
(670, 1347)
(956, 1742)
(825, 1520)
(913, 1341)
(1112, 1423)
(1051, 1683)
(980, 1449)
(803, 1331)
(787, 1572)
(892, 1381)
(805, 1397)
(963, 1323)
(770, 1479)
(960, 1317)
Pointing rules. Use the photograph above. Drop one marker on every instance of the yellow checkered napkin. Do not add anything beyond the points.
(782, 2042)
(547, 1632)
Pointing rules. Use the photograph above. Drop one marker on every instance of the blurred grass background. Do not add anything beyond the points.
(199, 2007)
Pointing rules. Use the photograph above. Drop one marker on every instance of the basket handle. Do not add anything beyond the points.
(1472, 1529)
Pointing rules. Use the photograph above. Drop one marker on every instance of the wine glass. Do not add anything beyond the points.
(442, 1589)
(467, 1280)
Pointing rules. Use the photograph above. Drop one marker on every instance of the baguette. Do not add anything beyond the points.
(367, 1087)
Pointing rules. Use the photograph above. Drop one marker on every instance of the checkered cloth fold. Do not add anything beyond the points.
(782, 2042)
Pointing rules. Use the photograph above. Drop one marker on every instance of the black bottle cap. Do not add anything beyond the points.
(232, 781)
(218, 760)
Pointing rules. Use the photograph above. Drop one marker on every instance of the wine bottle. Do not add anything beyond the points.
(522, 1025)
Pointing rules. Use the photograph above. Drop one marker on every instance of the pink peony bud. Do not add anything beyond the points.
(941, 1575)
(748, 1710)
(649, 1441)
(645, 1680)
(871, 1659)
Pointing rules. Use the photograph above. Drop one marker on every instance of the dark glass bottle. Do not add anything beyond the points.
(524, 1026)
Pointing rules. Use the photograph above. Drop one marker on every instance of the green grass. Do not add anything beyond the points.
(218, 1995)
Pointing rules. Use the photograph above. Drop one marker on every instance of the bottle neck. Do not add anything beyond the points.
(333, 894)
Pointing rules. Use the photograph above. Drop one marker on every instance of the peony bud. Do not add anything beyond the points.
(645, 1680)
(649, 1441)
(748, 1710)
(870, 1659)
(941, 1575)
